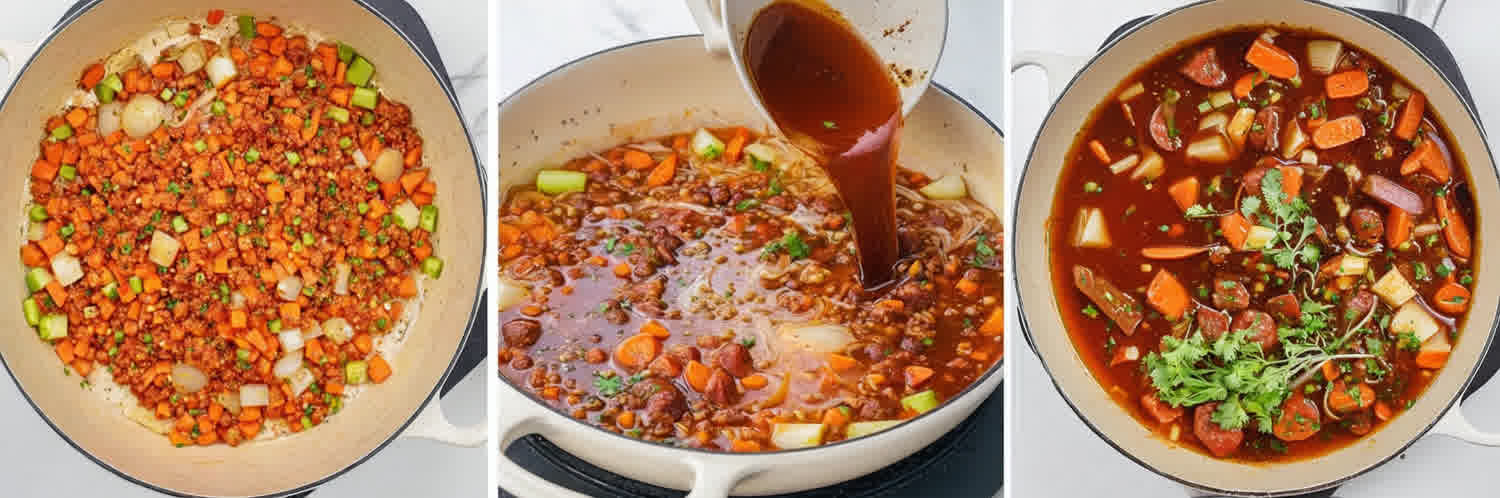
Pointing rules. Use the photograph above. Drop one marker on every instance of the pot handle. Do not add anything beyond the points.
(1455, 425)
(519, 417)
(433, 425)
(1057, 67)
(15, 55)
(716, 478)
(1423, 11)
(709, 16)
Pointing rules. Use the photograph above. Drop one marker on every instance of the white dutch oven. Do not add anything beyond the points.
(1436, 411)
(664, 86)
(43, 73)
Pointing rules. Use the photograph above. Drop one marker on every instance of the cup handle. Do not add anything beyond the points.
(1057, 67)
(15, 55)
(432, 424)
(1455, 425)
(708, 14)
(1423, 11)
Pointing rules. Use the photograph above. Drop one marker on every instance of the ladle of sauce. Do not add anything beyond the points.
(831, 94)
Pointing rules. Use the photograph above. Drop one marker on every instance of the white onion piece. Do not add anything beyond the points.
(109, 118)
(387, 166)
(341, 279)
(288, 288)
(291, 340)
(220, 70)
(300, 380)
(230, 400)
(511, 294)
(188, 378)
(66, 268)
(193, 109)
(192, 58)
(287, 365)
(946, 188)
(237, 300)
(818, 338)
(312, 331)
(163, 249)
(360, 159)
(255, 395)
(338, 329)
(143, 115)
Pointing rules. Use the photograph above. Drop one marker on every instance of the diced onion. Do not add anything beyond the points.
(1089, 229)
(818, 338)
(109, 118)
(230, 400)
(187, 378)
(286, 365)
(66, 268)
(1125, 164)
(220, 70)
(1132, 92)
(407, 215)
(163, 249)
(338, 329)
(143, 115)
(341, 279)
(387, 166)
(511, 294)
(300, 379)
(312, 331)
(192, 58)
(288, 288)
(255, 395)
(360, 159)
(946, 188)
(291, 340)
(237, 300)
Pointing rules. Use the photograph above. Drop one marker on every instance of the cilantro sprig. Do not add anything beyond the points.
(1291, 219)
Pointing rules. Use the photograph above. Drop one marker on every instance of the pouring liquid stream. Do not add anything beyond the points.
(829, 92)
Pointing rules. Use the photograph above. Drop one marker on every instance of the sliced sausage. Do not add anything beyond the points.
(664, 403)
(1355, 308)
(1262, 328)
(521, 332)
(1116, 304)
(1251, 179)
(1266, 130)
(1366, 225)
(1212, 323)
(1230, 294)
(1204, 69)
(735, 358)
(1299, 419)
(1285, 308)
(1391, 193)
(684, 353)
(1219, 441)
(720, 388)
(1162, 125)
(666, 366)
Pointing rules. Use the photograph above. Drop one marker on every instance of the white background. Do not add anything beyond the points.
(36, 462)
(1054, 453)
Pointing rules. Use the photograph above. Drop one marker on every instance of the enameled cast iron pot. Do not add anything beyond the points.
(1436, 411)
(44, 73)
(665, 86)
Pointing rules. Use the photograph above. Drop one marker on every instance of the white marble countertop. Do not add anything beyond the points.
(1051, 444)
(36, 462)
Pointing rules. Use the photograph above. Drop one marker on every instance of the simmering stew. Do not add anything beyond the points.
(1260, 244)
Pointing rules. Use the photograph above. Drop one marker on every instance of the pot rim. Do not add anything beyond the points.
(1451, 404)
(996, 369)
(87, 7)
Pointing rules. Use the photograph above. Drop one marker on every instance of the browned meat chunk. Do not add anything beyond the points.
(1120, 307)
(1204, 69)
(1285, 308)
(735, 358)
(1261, 327)
(521, 332)
(1265, 132)
(1212, 323)
(1219, 441)
(1230, 294)
(1366, 225)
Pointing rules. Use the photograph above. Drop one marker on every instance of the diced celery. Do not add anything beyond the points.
(705, 144)
(37, 278)
(921, 402)
(365, 97)
(407, 215)
(179, 224)
(166, 94)
(68, 172)
(137, 286)
(355, 372)
(556, 181)
(433, 267)
(32, 311)
(111, 290)
(53, 327)
(62, 132)
(429, 218)
(37, 212)
(360, 71)
(338, 114)
(247, 26)
(861, 429)
(108, 87)
(346, 53)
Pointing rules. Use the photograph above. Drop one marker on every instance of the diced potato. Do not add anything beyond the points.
(163, 249)
(1323, 55)
(1212, 148)
(1220, 99)
(1414, 319)
(1089, 230)
(792, 436)
(1293, 140)
(1351, 265)
(1239, 126)
(946, 188)
(1394, 289)
(512, 293)
(1400, 91)
(1132, 91)
(1217, 121)
(1125, 164)
(1152, 166)
(1259, 238)
(861, 429)
(1309, 157)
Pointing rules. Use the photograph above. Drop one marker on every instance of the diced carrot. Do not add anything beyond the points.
(638, 160)
(1451, 298)
(379, 369)
(1272, 59)
(1398, 227)
(1172, 252)
(31, 255)
(76, 119)
(43, 170)
(1099, 152)
(412, 180)
(1434, 352)
(1246, 83)
(995, 324)
(1291, 180)
(335, 388)
(1338, 132)
(363, 342)
(636, 351)
(736, 145)
(744, 446)
(407, 287)
(237, 319)
(267, 29)
(968, 287)
(1184, 192)
(1167, 295)
(1411, 116)
(663, 172)
(1235, 228)
(64, 350)
(55, 290)
(1347, 84)
(91, 76)
(1454, 229)
(754, 381)
(841, 363)
(916, 375)
(655, 329)
(625, 419)
(1382, 410)
(390, 190)
(1330, 371)
(622, 270)
(696, 374)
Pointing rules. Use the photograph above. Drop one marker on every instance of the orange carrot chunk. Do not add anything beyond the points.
(1338, 132)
